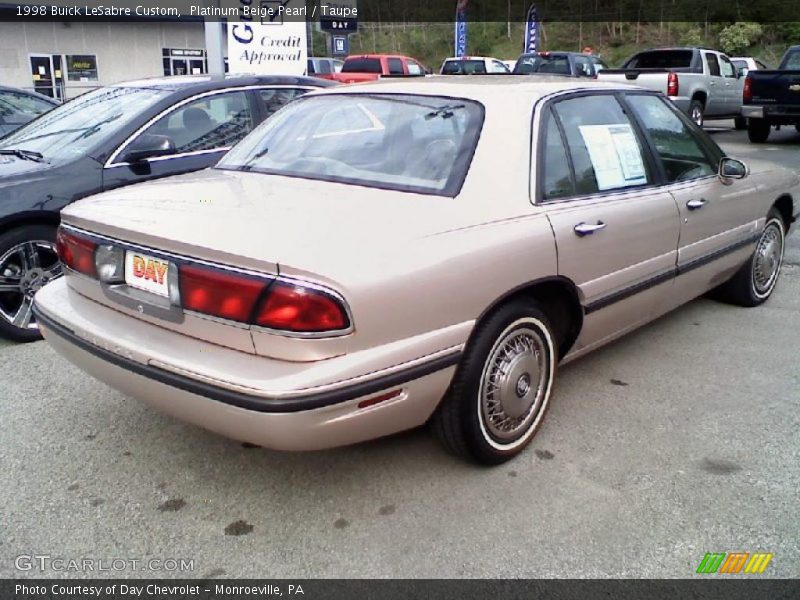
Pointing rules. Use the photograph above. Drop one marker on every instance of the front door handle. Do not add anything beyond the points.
(695, 204)
(582, 229)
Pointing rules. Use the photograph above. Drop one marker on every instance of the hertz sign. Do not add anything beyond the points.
(735, 562)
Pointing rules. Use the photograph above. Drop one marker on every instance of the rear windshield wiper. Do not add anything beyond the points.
(24, 154)
(444, 111)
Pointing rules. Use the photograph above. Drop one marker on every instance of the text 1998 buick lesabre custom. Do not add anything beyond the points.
(372, 258)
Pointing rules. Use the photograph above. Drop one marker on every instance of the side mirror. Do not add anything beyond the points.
(730, 168)
(148, 145)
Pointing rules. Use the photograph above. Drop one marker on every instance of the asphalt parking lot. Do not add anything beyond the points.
(680, 439)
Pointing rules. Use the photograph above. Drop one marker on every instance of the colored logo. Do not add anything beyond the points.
(734, 562)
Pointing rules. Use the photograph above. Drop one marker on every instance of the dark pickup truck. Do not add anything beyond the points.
(773, 97)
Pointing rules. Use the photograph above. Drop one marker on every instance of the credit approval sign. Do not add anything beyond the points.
(268, 43)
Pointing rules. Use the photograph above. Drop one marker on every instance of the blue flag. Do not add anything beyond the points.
(461, 28)
(531, 30)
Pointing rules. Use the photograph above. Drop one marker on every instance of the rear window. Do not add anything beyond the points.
(463, 67)
(661, 59)
(362, 65)
(554, 64)
(792, 61)
(401, 142)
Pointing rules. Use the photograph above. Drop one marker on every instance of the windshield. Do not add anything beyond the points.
(402, 142)
(12, 103)
(72, 129)
(558, 65)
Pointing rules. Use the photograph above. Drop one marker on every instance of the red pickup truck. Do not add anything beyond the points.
(369, 67)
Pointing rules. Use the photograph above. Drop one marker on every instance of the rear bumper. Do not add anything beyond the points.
(775, 114)
(305, 418)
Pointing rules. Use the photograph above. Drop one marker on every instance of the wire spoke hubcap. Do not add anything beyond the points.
(513, 384)
(24, 269)
(768, 257)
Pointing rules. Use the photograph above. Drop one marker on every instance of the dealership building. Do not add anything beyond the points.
(65, 59)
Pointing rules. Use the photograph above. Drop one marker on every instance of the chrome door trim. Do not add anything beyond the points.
(110, 162)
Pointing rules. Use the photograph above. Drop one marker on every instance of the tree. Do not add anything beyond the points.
(737, 38)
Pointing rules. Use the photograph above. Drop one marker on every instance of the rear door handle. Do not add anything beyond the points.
(696, 204)
(583, 229)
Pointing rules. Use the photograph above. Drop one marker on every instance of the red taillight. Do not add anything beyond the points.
(301, 309)
(76, 252)
(672, 84)
(747, 90)
(220, 294)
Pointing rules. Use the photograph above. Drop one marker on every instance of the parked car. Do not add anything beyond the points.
(340, 275)
(108, 138)
(473, 65)
(18, 107)
(772, 98)
(744, 64)
(323, 67)
(369, 67)
(572, 64)
(701, 82)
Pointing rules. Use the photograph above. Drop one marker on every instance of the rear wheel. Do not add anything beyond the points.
(740, 123)
(696, 112)
(758, 130)
(28, 260)
(754, 282)
(501, 391)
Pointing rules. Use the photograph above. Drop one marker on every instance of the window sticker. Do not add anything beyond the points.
(615, 155)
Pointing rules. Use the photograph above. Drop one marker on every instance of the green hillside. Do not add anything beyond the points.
(614, 41)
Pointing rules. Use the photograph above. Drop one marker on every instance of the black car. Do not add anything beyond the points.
(571, 64)
(18, 107)
(113, 136)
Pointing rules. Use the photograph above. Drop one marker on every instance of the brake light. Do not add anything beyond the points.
(672, 84)
(747, 90)
(218, 293)
(301, 309)
(545, 54)
(76, 252)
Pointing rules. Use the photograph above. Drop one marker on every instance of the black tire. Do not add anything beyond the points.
(748, 286)
(758, 130)
(740, 123)
(521, 333)
(697, 112)
(12, 270)
(797, 128)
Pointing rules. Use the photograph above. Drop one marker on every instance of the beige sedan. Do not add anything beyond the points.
(376, 257)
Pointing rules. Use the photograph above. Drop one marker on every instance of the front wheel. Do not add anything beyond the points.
(758, 130)
(502, 388)
(28, 260)
(754, 282)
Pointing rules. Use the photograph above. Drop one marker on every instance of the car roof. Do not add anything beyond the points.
(211, 82)
(471, 58)
(481, 86)
(8, 88)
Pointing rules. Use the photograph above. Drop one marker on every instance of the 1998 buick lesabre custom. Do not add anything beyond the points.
(371, 258)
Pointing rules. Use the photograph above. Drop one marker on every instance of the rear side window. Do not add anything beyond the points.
(713, 64)
(362, 65)
(556, 175)
(661, 59)
(605, 152)
(395, 66)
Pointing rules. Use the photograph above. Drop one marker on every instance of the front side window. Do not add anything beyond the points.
(605, 151)
(676, 144)
(727, 68)
(498, 67)
(395, 141)
(72, 129)
(415, 68)
(583, 67)
(208, 123)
